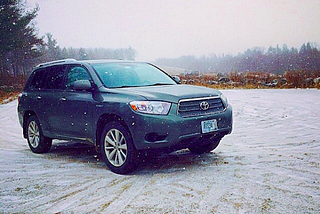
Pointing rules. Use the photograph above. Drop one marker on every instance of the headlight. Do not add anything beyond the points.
(224, 100)
(151, 107)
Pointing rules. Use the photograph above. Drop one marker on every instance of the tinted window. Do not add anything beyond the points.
(37, 79)
(54, 77)
(76, 73)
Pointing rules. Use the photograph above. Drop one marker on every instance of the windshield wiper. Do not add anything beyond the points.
(127, 86)
(155, 84)
(159, 83)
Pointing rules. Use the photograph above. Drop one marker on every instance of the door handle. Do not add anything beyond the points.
(62, 99)
(38, 97)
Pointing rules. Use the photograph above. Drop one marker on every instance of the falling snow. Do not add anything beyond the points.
(269, 164)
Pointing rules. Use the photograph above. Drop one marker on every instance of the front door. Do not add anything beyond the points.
(75, 104)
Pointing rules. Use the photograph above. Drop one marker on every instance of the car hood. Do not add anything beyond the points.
(170, 93)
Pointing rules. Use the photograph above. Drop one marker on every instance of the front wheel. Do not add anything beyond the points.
(200, 149)
(117, 148)
(37, 142)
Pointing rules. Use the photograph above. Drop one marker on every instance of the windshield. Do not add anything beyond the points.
(116, 75)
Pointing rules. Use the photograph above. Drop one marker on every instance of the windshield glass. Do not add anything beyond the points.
(116, 75)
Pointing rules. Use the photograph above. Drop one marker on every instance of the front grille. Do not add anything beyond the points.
(191, 107)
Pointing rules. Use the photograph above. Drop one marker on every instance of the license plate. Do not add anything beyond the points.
(209, 126)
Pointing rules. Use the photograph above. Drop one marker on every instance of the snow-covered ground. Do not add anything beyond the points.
(269, 164)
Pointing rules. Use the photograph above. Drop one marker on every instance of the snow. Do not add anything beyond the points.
(269, 164)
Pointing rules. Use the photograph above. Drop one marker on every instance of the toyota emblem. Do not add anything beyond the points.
(204, 105)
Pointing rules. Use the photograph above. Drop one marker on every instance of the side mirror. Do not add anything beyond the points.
(81, 85)
(176, 79)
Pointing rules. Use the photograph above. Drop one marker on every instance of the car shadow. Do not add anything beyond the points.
(178, 161)
(149, 163)
(75, 152)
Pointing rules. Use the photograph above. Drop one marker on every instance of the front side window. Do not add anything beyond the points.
(76, 73)
(116, 75)
(54, 77)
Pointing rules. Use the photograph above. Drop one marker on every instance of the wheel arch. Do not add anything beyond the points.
(26, 116)
(102, 121)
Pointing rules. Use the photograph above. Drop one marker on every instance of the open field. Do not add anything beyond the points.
(269, 164)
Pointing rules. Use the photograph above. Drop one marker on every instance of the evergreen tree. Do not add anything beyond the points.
(82, 54)
(52, 51)
(18, 39)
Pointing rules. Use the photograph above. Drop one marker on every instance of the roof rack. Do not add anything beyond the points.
(57, 61)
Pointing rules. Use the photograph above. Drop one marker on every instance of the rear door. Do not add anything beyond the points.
(50, 100)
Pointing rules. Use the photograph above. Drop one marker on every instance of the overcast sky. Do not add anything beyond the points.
(173, 28)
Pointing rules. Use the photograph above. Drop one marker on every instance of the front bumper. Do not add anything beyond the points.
(174, 131)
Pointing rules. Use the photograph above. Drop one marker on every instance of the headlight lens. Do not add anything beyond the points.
(224, 100)
(151, 107)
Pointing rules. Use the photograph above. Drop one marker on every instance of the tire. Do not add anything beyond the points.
(117, 148)
(205, 148)
(38, 143)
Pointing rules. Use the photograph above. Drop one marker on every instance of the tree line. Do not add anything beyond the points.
(275, 60)
(53, 52)
(21, 48)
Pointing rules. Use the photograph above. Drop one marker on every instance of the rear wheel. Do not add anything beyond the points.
(205, 148)
(117, 148)
(37, 142)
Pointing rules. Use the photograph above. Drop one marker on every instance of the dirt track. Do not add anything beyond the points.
(270, 164)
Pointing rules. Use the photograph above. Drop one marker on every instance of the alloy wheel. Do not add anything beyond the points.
(33, 134)
(115, 146)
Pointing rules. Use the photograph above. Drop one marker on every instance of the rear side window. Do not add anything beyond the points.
(37, 80)
(54, 77)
